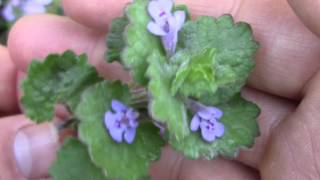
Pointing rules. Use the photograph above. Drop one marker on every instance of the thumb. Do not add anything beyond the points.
(293, 150)
(28, 149)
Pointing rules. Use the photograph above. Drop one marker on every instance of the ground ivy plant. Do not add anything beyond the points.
(187, 77)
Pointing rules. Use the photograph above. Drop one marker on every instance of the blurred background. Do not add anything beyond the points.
(12, 10)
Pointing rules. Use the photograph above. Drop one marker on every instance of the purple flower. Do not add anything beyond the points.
(15, 8)
(206, 119)
(121, 122)
(165, 24)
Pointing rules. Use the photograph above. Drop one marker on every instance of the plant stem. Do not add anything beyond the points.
(193, 105)
(70, 123)
(139, 97)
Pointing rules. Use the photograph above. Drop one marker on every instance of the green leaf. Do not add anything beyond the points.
(119, 161)
(196, 75)
(55, 8)
(139, 42)
(165, 107)
(235, 48)
(59, 79)
(73, 162)
(115, 39)
(241, 129)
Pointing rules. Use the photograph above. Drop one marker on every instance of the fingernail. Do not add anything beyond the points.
(35, 149)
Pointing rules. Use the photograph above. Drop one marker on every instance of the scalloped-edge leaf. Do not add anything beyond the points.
(115, 40)
(139, 42)
(73, 162)
(59, 79)
(119, 161)
(241, 129)
(235, 46)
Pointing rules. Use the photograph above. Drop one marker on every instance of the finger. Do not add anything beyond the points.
(35, 149)
(273, 111)
(27, 149)
(105, 11)
(9, 126)
(280, 69)
(8, 103)
(173, 166)
(55, 34)
(294, 150)
(308, 12)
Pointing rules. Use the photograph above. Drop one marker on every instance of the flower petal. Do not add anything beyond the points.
(132, 114)
(180, 17)
(154, 9)
(159, 9)
(119, 116)
(132, 117)
(172, 25)
(8, 13)
(204, 124)
(133, 123)
(155, 29)
(205, 114)
(116, 134)
(208, 135)
(109, 120)
(169, 41)
(43, 2)
(32, 8)
(129, 135)
(216, 112)
(14, 2)
(166, 5)
(219, 129)
(118, 106)
(195, 123)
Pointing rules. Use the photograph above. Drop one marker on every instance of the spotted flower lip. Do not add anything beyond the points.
(121, 122)
(206, 119)
(165, 23)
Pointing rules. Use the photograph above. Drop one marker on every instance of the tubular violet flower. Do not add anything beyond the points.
(206, 119)
(121, 122)
(165, 23)
(16, 8)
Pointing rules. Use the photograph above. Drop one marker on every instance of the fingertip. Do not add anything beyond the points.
(9, 127)
(35, 149)
(95, 14)
(34, 37)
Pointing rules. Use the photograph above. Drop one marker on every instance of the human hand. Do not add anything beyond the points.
(27, 150)
(283, 84)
